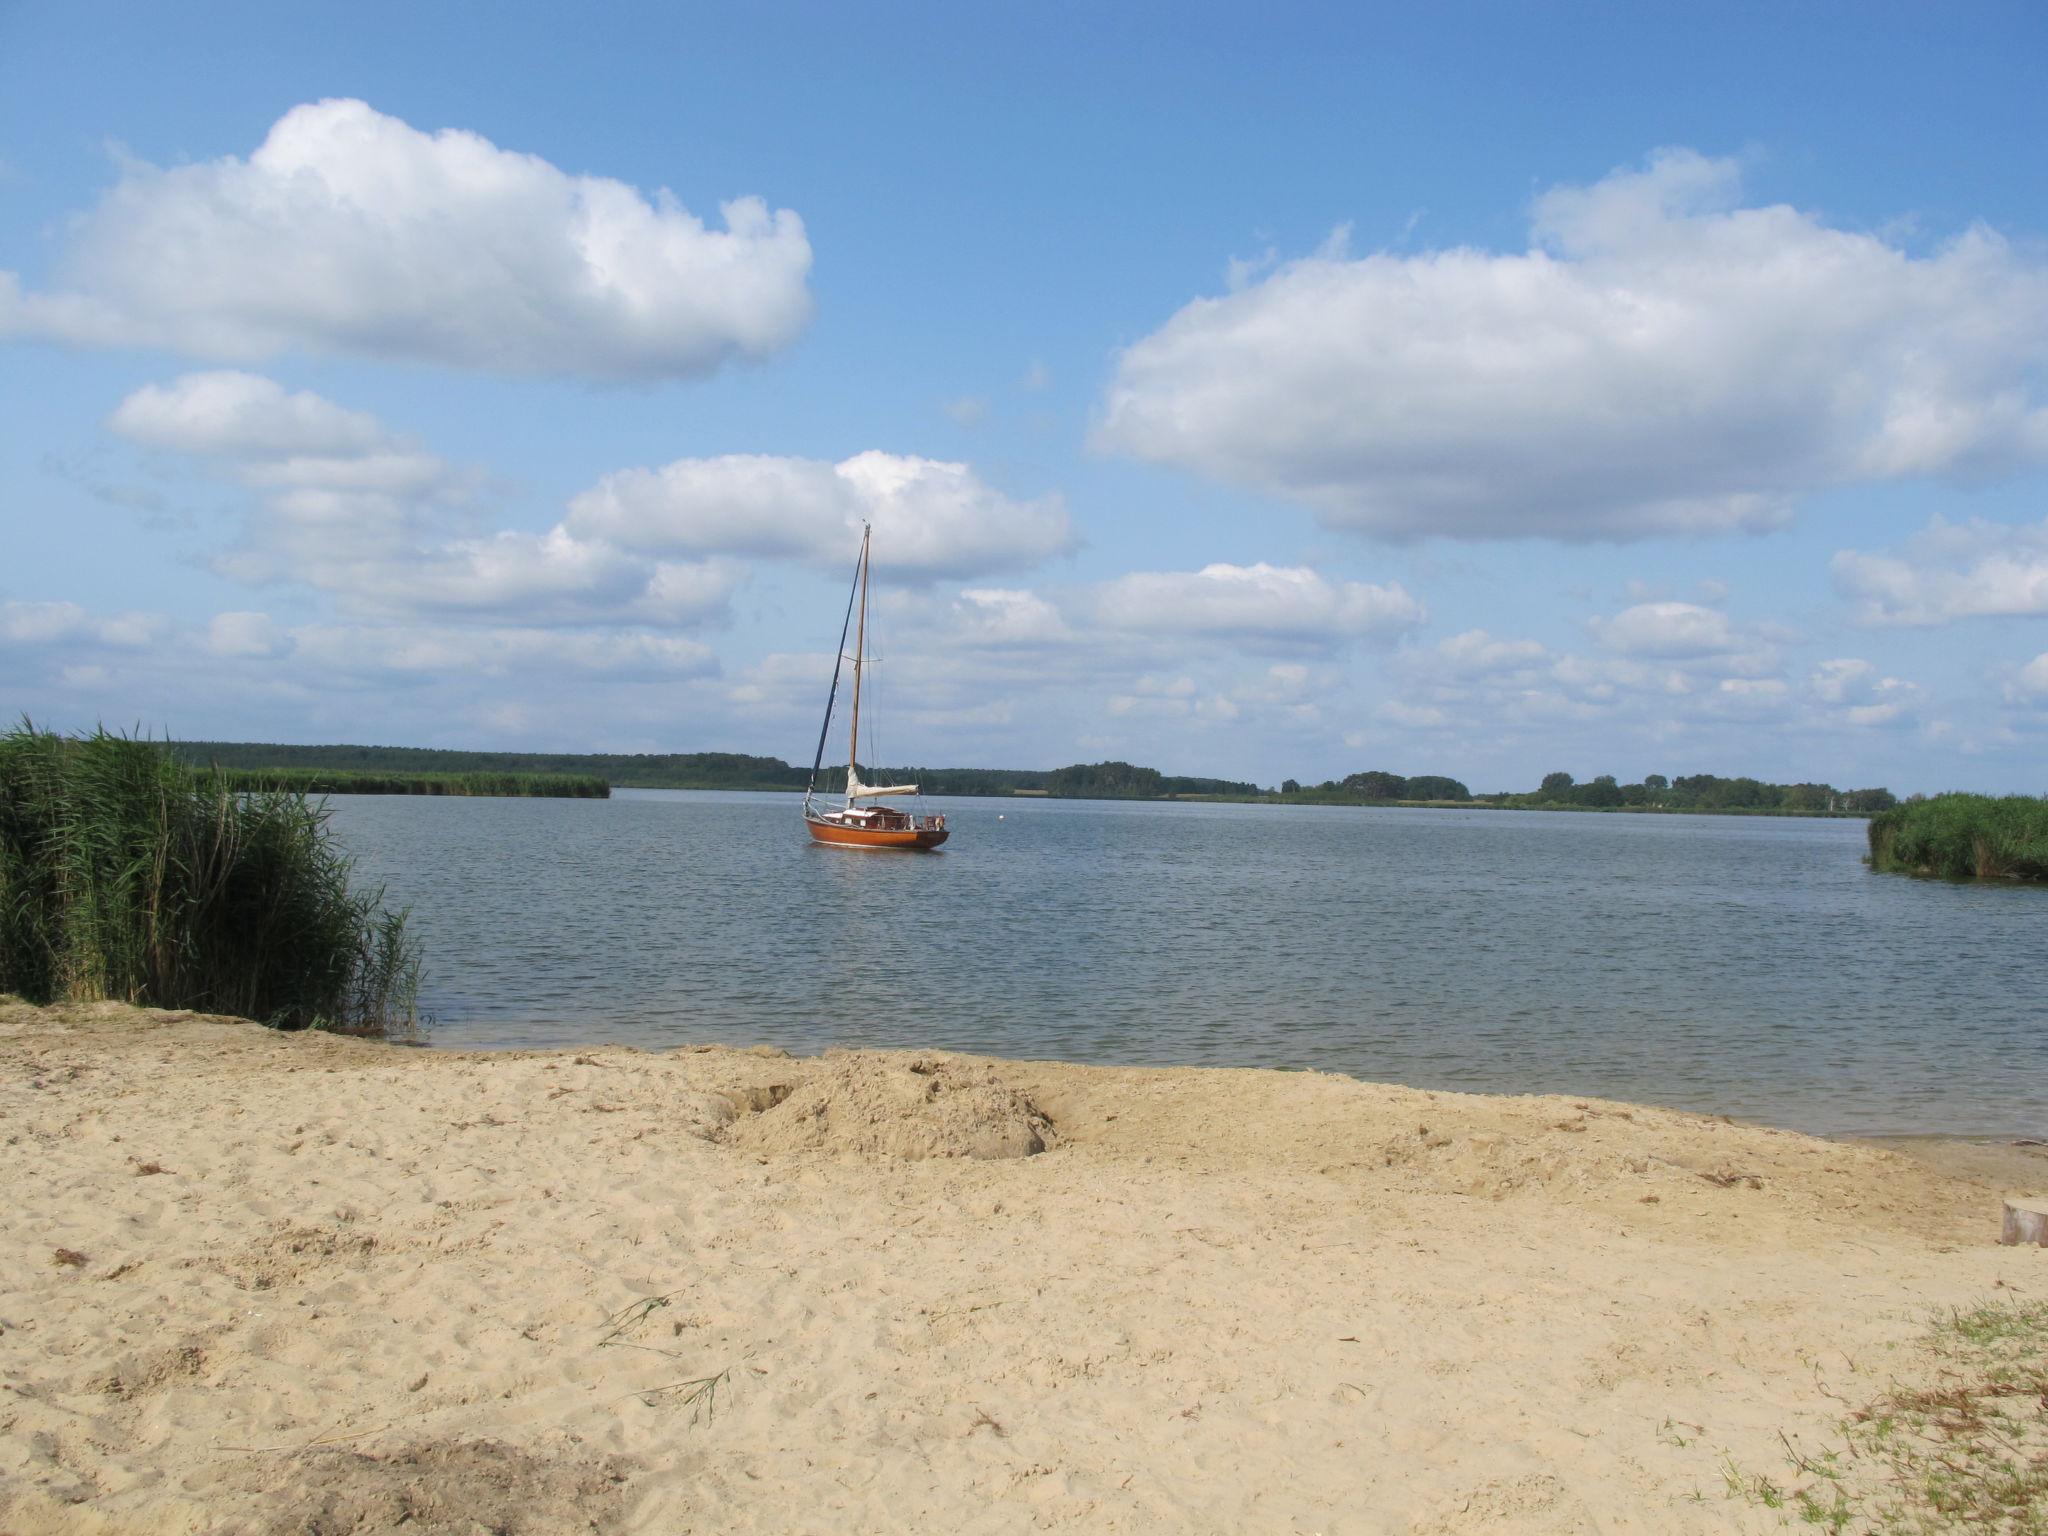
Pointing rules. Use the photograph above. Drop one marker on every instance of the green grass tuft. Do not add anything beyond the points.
(1960, 1447)
(126, 874)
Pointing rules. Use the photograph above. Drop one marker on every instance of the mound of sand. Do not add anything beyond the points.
(895, 1106)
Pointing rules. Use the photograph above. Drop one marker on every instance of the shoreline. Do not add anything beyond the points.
(256, 1280)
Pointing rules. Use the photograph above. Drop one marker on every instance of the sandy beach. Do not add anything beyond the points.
(261, 1282)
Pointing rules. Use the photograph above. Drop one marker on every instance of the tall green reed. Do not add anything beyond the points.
(129, 875)
(1963, 836)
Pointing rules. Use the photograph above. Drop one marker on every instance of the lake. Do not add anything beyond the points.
(1744, 966)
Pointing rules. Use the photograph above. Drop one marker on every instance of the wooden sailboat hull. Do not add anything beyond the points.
(906, 839)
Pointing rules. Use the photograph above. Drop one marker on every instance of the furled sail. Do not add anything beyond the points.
(855, 790)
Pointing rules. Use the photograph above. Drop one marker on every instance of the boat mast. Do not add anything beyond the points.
(838, 656)
(860, 647)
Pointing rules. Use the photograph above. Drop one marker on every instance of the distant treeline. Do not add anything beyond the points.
(1699, 792)
(1962, 836)
(701, 770)
(1705, 792)
(358, 781)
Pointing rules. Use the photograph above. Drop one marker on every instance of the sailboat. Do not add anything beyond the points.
(861, 821)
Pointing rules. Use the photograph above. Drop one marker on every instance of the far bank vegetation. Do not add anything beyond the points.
(344, 781)
(429, 770)
(1697, 793)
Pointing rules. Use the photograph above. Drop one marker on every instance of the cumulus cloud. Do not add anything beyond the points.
(1660, 361)
(931, 518)
(2031, 681)
(1677, 631)
(35, 625)
(40, 623)
(998, 616)
(1659, 667)
(1950, 571)
(1854, 691)
(349, 231)
(245, 634)
(1477, 653)
(441, 650)
(1261, 602)
(344, 505)
(1690, 636)
(244, 416)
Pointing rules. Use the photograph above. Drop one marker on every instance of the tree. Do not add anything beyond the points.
(1602, 791)
(1375, 784)
(1555, 785)
(1289, 787)
(1869, 800)
(1656, 782)
(1806, 797)
(1434, 786)
(1113, 780)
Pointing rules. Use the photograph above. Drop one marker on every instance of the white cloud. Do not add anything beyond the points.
(1660, 666)
(245, 634)
(1475, 652)
(1950, 571)
(1692, 639)
(443, 651)
(1660, 361)
(1853, 691)
(235, 415)
(931, 518)
(349, 231)
(999, 616)
(39, 625)
(1671, 631)
(1416, 717)
(2031, 682)
(344, 505)
(1265, 602)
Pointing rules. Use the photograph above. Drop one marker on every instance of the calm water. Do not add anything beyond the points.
(1747, 966)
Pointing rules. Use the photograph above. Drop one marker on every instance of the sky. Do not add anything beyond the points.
(1475, 389)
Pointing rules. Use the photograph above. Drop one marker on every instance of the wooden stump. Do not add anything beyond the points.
(2026, 1221)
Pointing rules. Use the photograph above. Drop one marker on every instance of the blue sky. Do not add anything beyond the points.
(1466, 389)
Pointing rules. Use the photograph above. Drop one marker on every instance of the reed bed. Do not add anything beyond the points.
(126, 874)
(344, 781)
(1964, 837)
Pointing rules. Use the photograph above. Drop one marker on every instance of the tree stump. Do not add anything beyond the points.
(2026, 1221)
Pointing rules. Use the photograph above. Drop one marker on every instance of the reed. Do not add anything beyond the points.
(127, 874)
(346, 781)
(1964, 836)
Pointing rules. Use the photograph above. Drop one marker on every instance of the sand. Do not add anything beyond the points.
(255, 1282)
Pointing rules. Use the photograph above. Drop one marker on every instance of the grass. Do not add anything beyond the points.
(1963, 837)
(126, 874)
(346, 781)
(1962, 1449)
